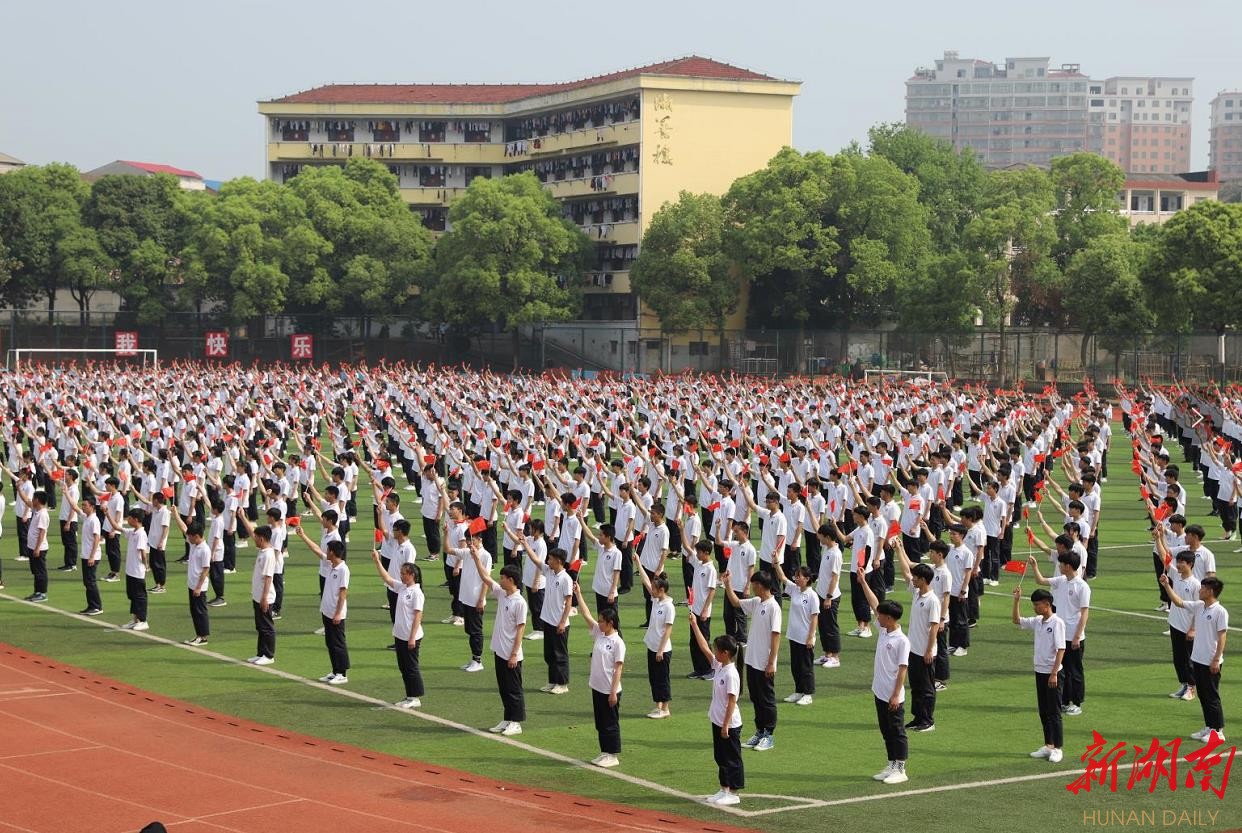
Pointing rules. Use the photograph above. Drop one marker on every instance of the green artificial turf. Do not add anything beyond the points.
(986, 722)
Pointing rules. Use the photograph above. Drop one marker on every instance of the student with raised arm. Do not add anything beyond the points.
(926, 618)
(888, 680)
(775, 527)
(803, 620)
(659, 643)
(607, 577)
(702, 594)
(136, 555)
(1049, 632)
(740, 559)
(554, 619)
(762, 646)
(1072, 596)
(90, 549)
(828, 588)
(1211, 628)
(534, 550)
(724, 715)
(197, 574)
(506, 641)
(407, 623)
(607, 663)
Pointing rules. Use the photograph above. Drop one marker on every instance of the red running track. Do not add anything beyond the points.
(79, 752)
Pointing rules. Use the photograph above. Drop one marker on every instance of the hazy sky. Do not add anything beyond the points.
(176, 82)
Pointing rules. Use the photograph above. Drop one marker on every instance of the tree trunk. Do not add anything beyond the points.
(517, 344)
(51, 307)
(720, 331)
(1082, 351)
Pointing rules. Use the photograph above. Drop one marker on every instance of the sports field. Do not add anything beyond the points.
(972, 771)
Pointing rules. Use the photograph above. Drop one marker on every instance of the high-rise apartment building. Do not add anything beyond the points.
(1225, 136)
(612, 149)
(1026, 111)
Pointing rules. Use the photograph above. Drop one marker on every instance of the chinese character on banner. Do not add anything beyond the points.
(1101, 765)
(302, 346)
(217, 344)
(126, 343)
(1206, 760)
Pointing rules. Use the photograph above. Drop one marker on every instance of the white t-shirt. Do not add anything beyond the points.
(39, 520)
(510, 615)
(606, 569)
(264, 566)
(1049, 638)
(1070, 596)
(725, 682)
(135, 542)
(705, 580)
(1186, 588)
(892, 651)
(741, 563)
(402, 554)
(608, 651)
(663, 613)
(556, 594)
(924, 612)
(803, 604)
(829, 566)
(765, 620)
(1209, 621)
(337, 580)
(200, 560)
(410, 601)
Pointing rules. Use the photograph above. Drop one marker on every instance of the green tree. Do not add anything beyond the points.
(1011, 239)
(376, 248)
(1195, 272)
(139, 226)
(40, 207)
(84, 267)
(682, 272)
(509, 257)
(1111, 300)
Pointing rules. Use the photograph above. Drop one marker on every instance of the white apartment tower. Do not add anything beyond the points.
(1225, 136)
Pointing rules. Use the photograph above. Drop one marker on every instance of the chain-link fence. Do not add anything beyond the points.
(1030, 354)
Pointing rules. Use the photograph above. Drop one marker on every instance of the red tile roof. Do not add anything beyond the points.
(691, 67)
(155, 168)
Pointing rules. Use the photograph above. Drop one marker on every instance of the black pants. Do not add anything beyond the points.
(763, 698)
(1158, 564)
(556, 654)
(112, 549)
(959, 625)
(687, 573)
(893, 729)
(1181, 657)
(159, 565)
(454, 584)
(626, 583)
(136, 592)
(198, 614)
(791, 561)
(1049, 710)
(509, 682)
(431, 532)
(940, 670)
(91, 587)
(1072, 682)
(23, 551)
(534, 601)
(230, 551)
(392, 605)
(1093, 555)
(698, 662)
(38, 569)
(215, 574)
(407, 663)
(802, 666)
(647, 597)
(1207, 687)
(728, 755)
(829, 630)
(607, 722)
(278, 584)
(862, 610)
(658, 675)
(737, 623)
(1228, 512)
(474, 630)
(69, 540)
(266, 629)
(922, 692)
(338, 651)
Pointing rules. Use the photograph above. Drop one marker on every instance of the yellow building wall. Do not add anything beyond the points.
(701, 140)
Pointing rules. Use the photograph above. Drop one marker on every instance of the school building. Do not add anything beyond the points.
(612, 148)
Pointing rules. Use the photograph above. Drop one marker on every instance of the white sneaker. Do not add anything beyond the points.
(410, 488)
(141, 626)
(547, 689)
(318, 631)
(128, 626)
(458, 622)
(1042, 753)
(559, 689)
(804, 700)
(573, 611)
(264, 660)
(855, 632)
(409, 703)
(1188, 694)
(1220, 735)
(793, 698)
(1055, 756)
(728, 800)
(606, 761)
(897, 776)
(657, 714)
(832, 662)
(821, 660)
(1074, 711)
(1201, 734)
(242, 544)
(338, 679)
(327, 678)
(512, 729)
(712, 799)
(1177, 695)
(535, 636)
(958, 652)
(865, 633)
(1162, 607)
(499, 727)
(253, 659)
(884, 773)
(473, 666)
(448, 621)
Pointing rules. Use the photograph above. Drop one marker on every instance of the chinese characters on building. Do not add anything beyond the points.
(663, 119)
(1156, 763)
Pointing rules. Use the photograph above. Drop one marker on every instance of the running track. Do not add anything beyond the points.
(84, 753)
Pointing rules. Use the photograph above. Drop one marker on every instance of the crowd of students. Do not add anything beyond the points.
(633, 475)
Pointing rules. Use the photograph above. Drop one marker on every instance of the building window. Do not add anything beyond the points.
(698, 348)
(431, 131)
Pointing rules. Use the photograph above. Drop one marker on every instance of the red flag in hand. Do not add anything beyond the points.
(1144, 493)
(1026, 514)
(477, 526)
(1030, 536)
(379, 536)
(294, 520)
(1162, 512)
(1018, 567)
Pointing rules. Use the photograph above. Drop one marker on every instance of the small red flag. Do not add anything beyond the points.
(484, 465)
(167, 491)
(1026, 514)
(1018, 567)
(712, 507)
(477, 526)
(58, 474)
(575, 566)
(1144, 493)
(1162, 512)
(379, 536)
(1030, 536)
(429, 459)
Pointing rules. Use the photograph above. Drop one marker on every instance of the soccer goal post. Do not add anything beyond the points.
(18, 358)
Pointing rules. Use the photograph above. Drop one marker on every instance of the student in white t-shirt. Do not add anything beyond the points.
(803, 621)
(197, 571)
(38, 523)
(333, 610)
(1211, 626)
(762, 645)
(888, 685)
(263, 595)
(1049, 631)
(659, 642)
(724, 715)
(136, 549)
(828, 588)
(607, 663)
(506, 641)
(407, 624)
